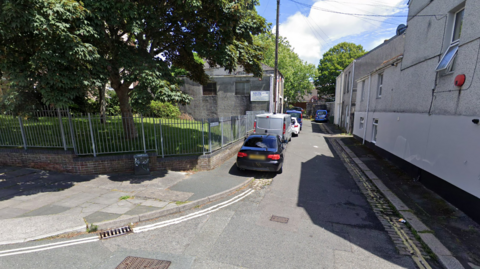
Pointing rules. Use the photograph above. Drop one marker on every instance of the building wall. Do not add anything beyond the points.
(225, 103)
(424, 118)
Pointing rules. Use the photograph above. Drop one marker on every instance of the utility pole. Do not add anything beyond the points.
(275, 86)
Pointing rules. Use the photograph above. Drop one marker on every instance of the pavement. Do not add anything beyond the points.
(450, 234)
(36, 204)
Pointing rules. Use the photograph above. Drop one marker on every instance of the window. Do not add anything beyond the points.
(347, 85)
(362, 94)
(210, 89)
(374, 131)
(242, 88)
(362, 121)
(380, 86)
(447, 60)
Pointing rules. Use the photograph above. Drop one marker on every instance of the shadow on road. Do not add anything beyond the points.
(333, 201)
(247, 173)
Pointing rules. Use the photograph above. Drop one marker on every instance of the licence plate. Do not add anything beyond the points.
(257, 157)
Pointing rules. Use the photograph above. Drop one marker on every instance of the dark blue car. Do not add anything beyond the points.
(261, 153)
(322, 115)
(297, 114)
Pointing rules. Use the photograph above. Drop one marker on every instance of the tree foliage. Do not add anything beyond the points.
(296, 72)
(332, 63)
(63, 48)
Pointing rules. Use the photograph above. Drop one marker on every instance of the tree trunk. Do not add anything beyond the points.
(103, 104)
(126, 110)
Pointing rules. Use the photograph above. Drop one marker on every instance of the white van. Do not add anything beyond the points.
(279, 124)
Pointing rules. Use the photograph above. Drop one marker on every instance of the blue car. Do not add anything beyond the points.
(297, 114)
(321, 116)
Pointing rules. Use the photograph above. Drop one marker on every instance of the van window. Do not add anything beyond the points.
(261, 142)
(321, 113)
(263, 123)
(276, 124)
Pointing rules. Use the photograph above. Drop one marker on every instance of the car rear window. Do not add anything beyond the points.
(294, 114)
(263, 123)
(321, 113)
(261, 142)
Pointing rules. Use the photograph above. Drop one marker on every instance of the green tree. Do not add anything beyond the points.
(296, 72)
(332, 63)
(63, 48)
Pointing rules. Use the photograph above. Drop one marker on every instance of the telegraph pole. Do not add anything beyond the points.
(275, 86)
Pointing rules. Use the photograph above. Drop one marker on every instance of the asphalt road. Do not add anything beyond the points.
(330, 225)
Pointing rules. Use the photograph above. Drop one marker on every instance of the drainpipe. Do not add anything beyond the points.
(338, 103)
(365, 125)
(351, 95)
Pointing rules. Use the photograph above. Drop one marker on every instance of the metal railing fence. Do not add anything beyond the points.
(93, 134)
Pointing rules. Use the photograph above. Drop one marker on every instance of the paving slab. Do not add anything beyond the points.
(155, 203)
(120, 207)
(141, 209)
(100, 216)
(164, 195)
(11, 212)
(46, 210)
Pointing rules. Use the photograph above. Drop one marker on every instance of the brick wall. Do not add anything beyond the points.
(68, 162)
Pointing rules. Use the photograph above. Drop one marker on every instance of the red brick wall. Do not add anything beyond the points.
(68, 162)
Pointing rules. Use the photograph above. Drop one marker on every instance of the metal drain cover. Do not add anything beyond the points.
(279, 219)
(115, 232)
(143, 263)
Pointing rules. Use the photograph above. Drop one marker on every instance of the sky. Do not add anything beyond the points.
(312, 31)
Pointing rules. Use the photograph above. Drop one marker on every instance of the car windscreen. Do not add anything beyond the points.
(294, 114)
(321, 113)
(261, 142)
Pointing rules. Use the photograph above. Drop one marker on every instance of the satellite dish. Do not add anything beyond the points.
(401, 29)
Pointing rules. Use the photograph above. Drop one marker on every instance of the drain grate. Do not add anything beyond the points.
(279, 219)
(115, 232)
(143, 263)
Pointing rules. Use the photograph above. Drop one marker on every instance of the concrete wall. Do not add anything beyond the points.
(424, 118)
(225, 103)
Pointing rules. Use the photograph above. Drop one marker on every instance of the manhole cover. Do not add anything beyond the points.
(142, 263)
(279, 219)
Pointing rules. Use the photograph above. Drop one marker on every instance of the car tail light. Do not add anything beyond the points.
(284, 128)
(274, 156)
(296, 126)
(301, 115)
(254, 126)
(242, 154)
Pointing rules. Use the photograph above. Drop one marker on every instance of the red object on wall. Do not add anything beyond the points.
(460, 80)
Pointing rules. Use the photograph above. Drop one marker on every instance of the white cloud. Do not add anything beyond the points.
(312, 35)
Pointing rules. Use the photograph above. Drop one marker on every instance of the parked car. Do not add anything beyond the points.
(276, 124)
(295, 127)
(321, 115)
(297, 114)
(261, 153)
(297, 108)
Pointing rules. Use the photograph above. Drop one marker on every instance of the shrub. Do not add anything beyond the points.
(164, 110)
(186, 116)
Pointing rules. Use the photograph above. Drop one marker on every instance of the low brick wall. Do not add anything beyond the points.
(68, 162)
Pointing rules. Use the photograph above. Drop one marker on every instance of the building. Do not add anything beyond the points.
(421, 109)
(233, 94)
(346, 88)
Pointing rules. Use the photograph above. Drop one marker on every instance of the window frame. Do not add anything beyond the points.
(455, 24)
(374, 130)
(448, 66)
(380, 85)
(362, 94)
(361, 123)
(206, 87)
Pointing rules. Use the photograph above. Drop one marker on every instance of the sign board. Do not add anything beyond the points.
(259, 96)
(212, 124)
